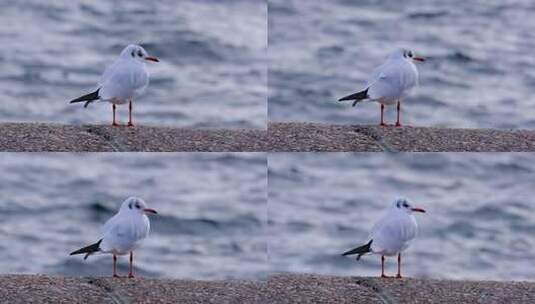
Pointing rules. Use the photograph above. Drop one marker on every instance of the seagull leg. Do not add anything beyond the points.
(398, 123)
(114, 108)
(383, 267)
(131, 270)
(115, 275)
(399, 266)
(130, 124)
(382, 115)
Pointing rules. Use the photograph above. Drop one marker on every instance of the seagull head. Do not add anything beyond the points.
(405, 205)
(406, 54)
(138, 53)
(136, 205)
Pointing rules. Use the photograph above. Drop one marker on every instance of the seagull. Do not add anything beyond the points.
(123, 233)
(392, 234)
(125, 79)
(390, 82)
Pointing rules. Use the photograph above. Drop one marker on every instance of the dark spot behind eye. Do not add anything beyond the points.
(133, 53)
(130, 205)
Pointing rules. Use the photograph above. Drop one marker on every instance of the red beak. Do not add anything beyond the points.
(418, 210)
(149, 58)
(149, 210)
(421, 59)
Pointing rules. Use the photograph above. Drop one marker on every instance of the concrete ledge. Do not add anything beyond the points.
(45, 289)
(280, 137)
(294, 288)
(280, 288)
(37, 137)
(317, 137)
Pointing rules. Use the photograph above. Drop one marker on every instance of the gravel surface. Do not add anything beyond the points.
(36, 137)
(304, 288)
(280, 137)
(45, 289)
(281, 288)
(316, 137)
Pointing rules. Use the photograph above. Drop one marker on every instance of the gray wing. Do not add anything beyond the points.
(123, 79)
(386, 82)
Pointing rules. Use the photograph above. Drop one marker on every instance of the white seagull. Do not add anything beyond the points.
(390, 82)
(392, 234)
(125, 79)
(123, 233)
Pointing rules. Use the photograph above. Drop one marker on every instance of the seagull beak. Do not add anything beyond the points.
(149, 58)
(416, 58)
(149, 210)
(418, 210)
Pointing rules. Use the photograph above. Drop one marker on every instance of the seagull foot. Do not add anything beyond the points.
(131, 276)
(386, 277)
(383, 124)
(114, 124)
(398, 276)
(130, 124)
(118, 276)
(398, 125)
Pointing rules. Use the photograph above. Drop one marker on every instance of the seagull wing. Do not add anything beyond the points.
(386, 82)
(123, 80)
(394, 231)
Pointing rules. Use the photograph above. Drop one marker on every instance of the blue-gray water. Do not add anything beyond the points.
(212, 71)
(480, 220)
(211, 223)
(480, 70)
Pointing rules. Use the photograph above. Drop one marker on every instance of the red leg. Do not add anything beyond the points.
(114, 123)
(115, 267)
(383, 267)
(382, 115)
(399, 266)
(398, 123)
(131, 267)
(130, 124)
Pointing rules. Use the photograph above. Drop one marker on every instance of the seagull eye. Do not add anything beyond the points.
(405, 205)
(139, 53)
(137, 206)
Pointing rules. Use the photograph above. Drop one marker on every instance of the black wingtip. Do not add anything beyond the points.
(88, 249)
(359, 250)
(88, 98)
(356, 97)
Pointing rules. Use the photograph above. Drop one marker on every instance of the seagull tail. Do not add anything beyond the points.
(88, 250)
(356, 97)
(359, 250)
(88, 98)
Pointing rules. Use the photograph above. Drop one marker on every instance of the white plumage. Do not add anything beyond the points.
(391, 82)
(123, 233)
(392, 234)
(127, 77)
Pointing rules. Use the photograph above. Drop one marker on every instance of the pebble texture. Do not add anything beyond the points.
(280, 137)
(316, 137)
(280, 288)
(44, 289)
(294, 288)
(43, 137)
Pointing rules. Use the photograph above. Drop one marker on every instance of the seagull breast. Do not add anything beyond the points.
(392, 81)
(393, 233)
(124, 233)
(123, 80)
